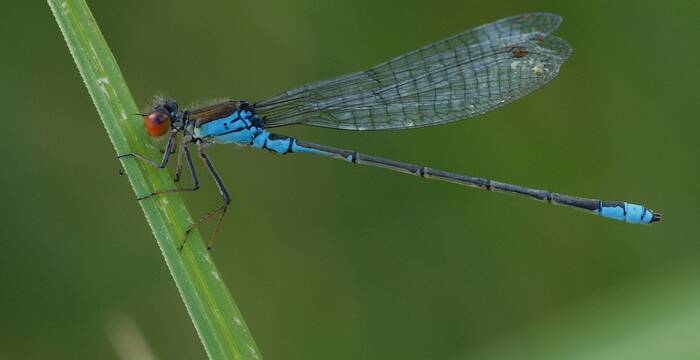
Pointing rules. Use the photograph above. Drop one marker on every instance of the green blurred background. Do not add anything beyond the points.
(331, 261)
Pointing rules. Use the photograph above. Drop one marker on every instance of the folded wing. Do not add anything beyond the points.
(459, 77)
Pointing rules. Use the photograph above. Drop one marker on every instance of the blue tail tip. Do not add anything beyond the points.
(631, 213)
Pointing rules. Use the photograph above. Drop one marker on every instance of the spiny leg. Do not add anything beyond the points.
(178, 167)
(169, 150)
(166, 153)
(220, 209)
(193, 173)
(174, 150)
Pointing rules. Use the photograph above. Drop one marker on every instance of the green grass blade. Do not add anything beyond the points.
(215, 316)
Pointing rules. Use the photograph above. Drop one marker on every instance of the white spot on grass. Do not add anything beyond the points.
(102, 84)
(514, 65)
(93, 52)
(238, 321)
(216, 275)
(253, 352)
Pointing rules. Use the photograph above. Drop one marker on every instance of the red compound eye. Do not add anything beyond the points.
(157, 123)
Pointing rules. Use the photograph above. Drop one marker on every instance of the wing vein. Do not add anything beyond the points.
(459, 77)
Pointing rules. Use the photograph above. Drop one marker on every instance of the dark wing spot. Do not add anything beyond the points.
(518, 51)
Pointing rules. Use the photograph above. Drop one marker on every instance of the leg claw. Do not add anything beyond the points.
(146, 196)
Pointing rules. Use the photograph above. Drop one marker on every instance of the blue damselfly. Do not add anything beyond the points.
(462, 76)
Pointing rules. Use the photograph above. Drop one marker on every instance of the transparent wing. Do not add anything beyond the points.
(462, 76)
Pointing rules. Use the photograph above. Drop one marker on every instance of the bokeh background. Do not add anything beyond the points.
(332, 261)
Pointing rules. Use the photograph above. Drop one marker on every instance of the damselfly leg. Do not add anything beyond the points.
(193, 172)
(218, 210)
(178, 167)
(184, 149)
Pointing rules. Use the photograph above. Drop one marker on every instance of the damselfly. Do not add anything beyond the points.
(460, 77)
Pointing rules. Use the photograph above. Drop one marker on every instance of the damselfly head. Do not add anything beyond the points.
(163, 113)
